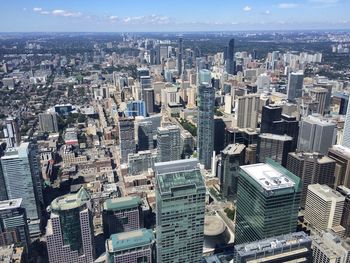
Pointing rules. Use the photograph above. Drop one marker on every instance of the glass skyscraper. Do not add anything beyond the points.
(180, 208)
(205, 124)
(268, 198)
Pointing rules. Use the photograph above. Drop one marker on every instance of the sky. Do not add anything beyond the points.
(175, 15)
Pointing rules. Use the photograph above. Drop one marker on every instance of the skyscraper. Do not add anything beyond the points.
(179, 57)
(311, 168)
(11, 132)
(134, 247)
(69, 231)
(232, 157)
(148, 96)
(230, 61)
(168, 143)
(48, 122)
(346, 132)
(295, 85)
(140, 162)
(22, 179)
(135, 108)
(126, 138)
(205, 124)
(320, 95)
(180, 208)
(316, 134)
(247, 111)
(261, 188)
(269, 116)
(345, 219)
(145, 135)
(323, 208)
(341, 155)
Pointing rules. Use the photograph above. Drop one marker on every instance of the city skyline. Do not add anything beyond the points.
(158, 16)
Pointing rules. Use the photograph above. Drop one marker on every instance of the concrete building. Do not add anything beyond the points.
(232, 157)
(320, 95)
(11, 132)
(180, 209)
(168, 143)
(262, 187)
(293, 247)
(311, 168)
(205, 124)
(126, 138)
(323, 207)
(295, 85)
(122, 214)
(346, 132)
(341, 155)
(316, 134)
(131, 247)
(48, 122)
(345, 219)
(275, 147)
(22, 179)
(247, 111)
(140, 162)
(69, 231)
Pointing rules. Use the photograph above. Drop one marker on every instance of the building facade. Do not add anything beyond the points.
(168, 143)
(126, 138)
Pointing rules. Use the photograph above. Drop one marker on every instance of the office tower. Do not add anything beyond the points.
(234, 135)
(187, 143)
(247, 111)
(140, 162)
(48, 122)
(148, 96)
(179, 57)
(341, 155)
(346, 132)
(230, 61)
(144, 135)
(320, 95)
(13, 224)
(22, 179)
(311, 168)
(219, 130)
(261, 188)
(145, 84)
(275, 147)
(135, 108)
(270, 115)
(330, 248)
(11, 132)
(168, 143)
(126, 138)
(345, 219)
(341, 100)
(232, 157)
(204, 76)
(142, 72)
(180, 208)
(122, 214)
(69, 231)
(323, 207)
(250, 154)
(316, 134)
(205, 124)
(295, 85)
(293, 247)
(134, 247)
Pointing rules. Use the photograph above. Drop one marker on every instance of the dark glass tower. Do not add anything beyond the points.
(230, 62)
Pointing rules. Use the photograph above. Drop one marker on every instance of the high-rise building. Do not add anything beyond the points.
(341, 155)
(293, 247)
(180, 209)
(22, 179)
(48, 122)
(131, 247)
(122, 214)
(148, 96)
(140, 162)
(179, 57)
(311, 168)
(345, 219)
(261, 188)
(11, 132)
(247, 111)
(323, 207)
(269, 116)
(230, 61)
(145, 83)
(232, 157)
(295, 85)
(126, 138)
(330, 248)
(346, 132)
(69, 231)
(275, 147)
(204, 76)
(13, 223)
(205, 124)
(144, 135)
(320, 95)
(168, 143)
(135, 108)
(316, 134)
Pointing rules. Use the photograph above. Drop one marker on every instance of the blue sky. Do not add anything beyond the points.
(176, 15)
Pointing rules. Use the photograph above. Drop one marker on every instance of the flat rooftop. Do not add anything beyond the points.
(129, 240)
(267, 176)
(342, 150)
(10, 204)
(276, 137)
(70, 201)
(325, 192)
(121, 203)
(233, 149)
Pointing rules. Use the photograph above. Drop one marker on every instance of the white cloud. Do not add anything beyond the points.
(324, 1)
(287, 5)
(247, 9)
(37, 9)
(113, 18)
(267, 12)
(65, 13)
(45, 12)
(152, 19)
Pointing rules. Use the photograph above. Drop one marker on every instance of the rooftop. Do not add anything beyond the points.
(120, 203)
(70, 201)
(129, 240)
(325, 192)
(10, 204)
(342, 150)
(232, 149)
(268, 176)
(275, 137)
